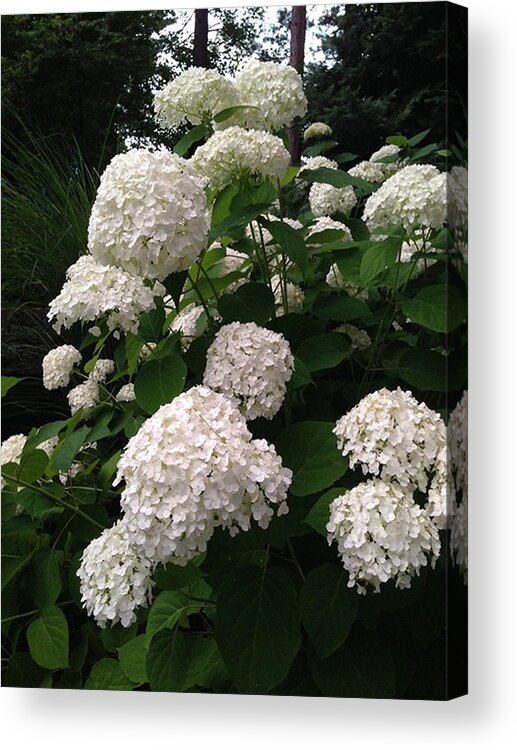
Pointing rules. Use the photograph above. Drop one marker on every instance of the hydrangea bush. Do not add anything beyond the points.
(262, 483)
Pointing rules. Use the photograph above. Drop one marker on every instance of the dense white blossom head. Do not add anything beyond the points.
(126, 393)
(322, 224)
(388, 168)
(317, 162)
(190, 323)
(102, 369)
(252, 366)
(85, 395)
(237, 153)
(289, 296)
(389, 434)
(276, 90)
(194, 96)
(115, 579)
(382, 534)
(94, 291)
(369, 171)
(192, 467)
(359, 338)
(150, 216)
(415, 197)
(58, 365)
(317, 130)
(327, 199)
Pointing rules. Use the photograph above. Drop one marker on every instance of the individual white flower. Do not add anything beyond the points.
(277, 92)
(86, 396)
(317, 130)
(323, 223)
(126, 393)
(336, 280)
(193, 467)
(359, 338)
(102, 369)
(95, 331)
(58, 365)
(252, 366)
(382, 534)
(294, 296)
(95, 291)
(327, 199)
(317, 162)
(237, 153)
(115, 578)
(389, 434)
(369, 171)
(194, 96)
(415, 197)
(150, 215)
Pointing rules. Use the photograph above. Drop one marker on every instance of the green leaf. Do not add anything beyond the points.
(49, 430)
(9, 382)
(38, 505)
(48, 639)
(440, 308)
(107, 471)
(167, 609)
(323, 351)
(133, 348)
(300, 377)
(224, 114)
(107, 674)
(150, 324)
(328, 608)
(425, 151)
(260, 195)
(159, 381)
(397, 140)
(188, 140)
(32, 466)
(362, 668)
(416, 139)
(250, 303)
(291, 242)
(132, 657)
(174, 284)
(175, 577)
(178, 661)
(422, 368)
(336, 178)
(310, 450)
(257, 627)
(319, 148)
(67, 451)
(379, 257)
(339, 307)
(46, 576)
(319, 514)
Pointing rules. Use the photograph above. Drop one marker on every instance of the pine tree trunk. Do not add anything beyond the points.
(296, 59)
(201, 38)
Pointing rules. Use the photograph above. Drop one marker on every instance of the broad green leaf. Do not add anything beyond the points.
(166, 610)
(262, 194)
(38, 505)
(107, 674)
(46, 576)
(107, 471)
(175, 577)
(133, 348)
(250, 303)
(222, 204)
(22, 672)
(150, 324)
(188, 140)
(159, 381)
(67, 451)
(339, 307)
(174, 284)
(362, 668)
(48, 639)
(300, 377)
(12, 566)
(439, 308)
(116, 636)
(323, 351)
(336, 178)
(291, 242)
(257, 627)
(310, 450)
(319, 148)
(9, 382)
(422, 368)
(378, 258)
(328, 608)
(177, 661)
(416, 139)
(49, 430)
(319, 514)
(224, 114)
(397, 140)
(132, 657)
(295, 327)
(32, 465)
(424, 151)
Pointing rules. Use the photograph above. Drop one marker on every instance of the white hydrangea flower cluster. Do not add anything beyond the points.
(457, 438)
(325, 222)
(194, 96)
(457, 208)
(10, 452)
(327, 199)
(275, 89)
(150, 216)
(114, 578)
(294, 294)
(369, 171)
(459, 538)
(237, 153)
(190, 323)
(57, 366)
(317, 130)
(93, 291)
(382, 534)
(85, 395)
(126, 393)
(193, 467)
(388, 168)
(250, 365)
(415, 197)
(336, 280)
(389, 434)
(359, 338)
(233, 261)
(317, 162)
(102, 369)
